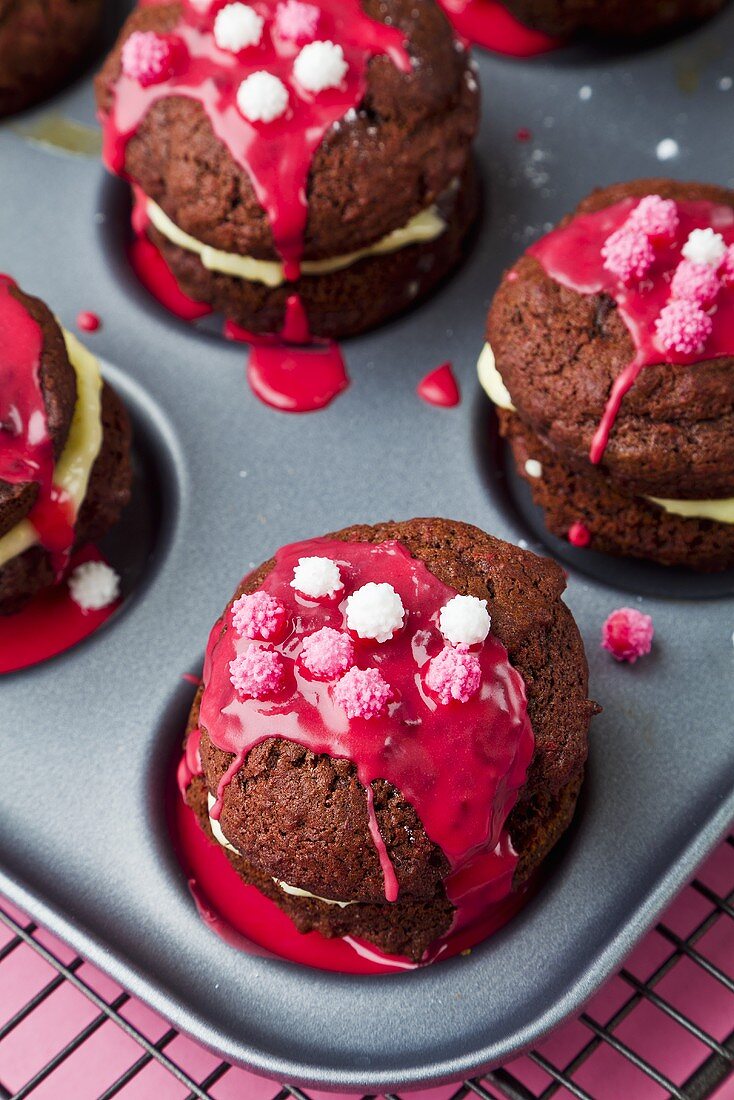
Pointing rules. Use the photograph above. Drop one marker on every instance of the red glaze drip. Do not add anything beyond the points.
(440, 388)
(459, 766)
(523, 134)
(579, 535)
(296, 379)
(244, 918)
(50, 624)
(488, 23)
(572, 256)
(26, 448)
(276, 155)
(87, 322)
(287, 377)
(157, 278)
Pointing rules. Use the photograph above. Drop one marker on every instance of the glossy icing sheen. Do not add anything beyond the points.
(489, 24)
(460, 766)
(26, 448)
(572, 256)
(276, 155)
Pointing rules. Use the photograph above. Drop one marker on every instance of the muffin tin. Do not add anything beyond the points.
(90, 738)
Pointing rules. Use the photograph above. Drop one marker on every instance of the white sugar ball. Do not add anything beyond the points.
(375, 611)
(262, 97)
(704, 246)
(317, 578)
(94, 585)
(236, 27)
(464, 620)
(320, 65)
(533, 468)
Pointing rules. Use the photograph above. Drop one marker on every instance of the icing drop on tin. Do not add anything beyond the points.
(440, 387)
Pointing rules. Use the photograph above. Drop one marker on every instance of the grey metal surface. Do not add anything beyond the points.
(88, 739)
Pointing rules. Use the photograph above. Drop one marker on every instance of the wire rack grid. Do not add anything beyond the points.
(664, 1027)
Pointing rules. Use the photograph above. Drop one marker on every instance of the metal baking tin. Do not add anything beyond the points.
(88, 739)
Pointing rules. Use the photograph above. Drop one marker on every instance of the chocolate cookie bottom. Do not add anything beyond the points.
(620, 524)
(340, 303)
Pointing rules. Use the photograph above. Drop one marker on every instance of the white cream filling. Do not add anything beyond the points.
(286, 887)
(721, 511)
(491, 382)
(71, 473)
(424, 227)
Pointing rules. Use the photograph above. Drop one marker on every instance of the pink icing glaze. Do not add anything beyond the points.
(26, 448)
(276, 156)
(489, 24)
(259, 616)
(572, 255)
(327, 653)
(257, 673)
(454, 675)
(461, 774)
(51, 623)
(627, 634)
(440, 387)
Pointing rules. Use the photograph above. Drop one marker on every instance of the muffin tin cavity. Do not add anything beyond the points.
(512, 494)
(137, 544)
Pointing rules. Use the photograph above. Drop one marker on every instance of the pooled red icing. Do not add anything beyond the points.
(26, 448)
(50, 624)
(246, 919)
(579, 534)
(440, 387)
(296, 379)
(489, 24)
(460, 765)
(276, 155)
(573, 255)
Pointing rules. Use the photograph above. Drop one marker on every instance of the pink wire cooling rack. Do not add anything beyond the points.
(663, 1027)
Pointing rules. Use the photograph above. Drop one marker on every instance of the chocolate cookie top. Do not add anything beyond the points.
(37, 399)
(641, 276)
(371, 735)
(387, 135)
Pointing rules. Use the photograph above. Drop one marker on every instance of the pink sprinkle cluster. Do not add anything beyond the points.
(327, 653)
(683, 327)
(148, 58)
(656, 217)
(628, 253)
(697, 283)
(454, 674)
(362, 693)
(257, 673)
(259, 616)
(627, 634)
(296, 21)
